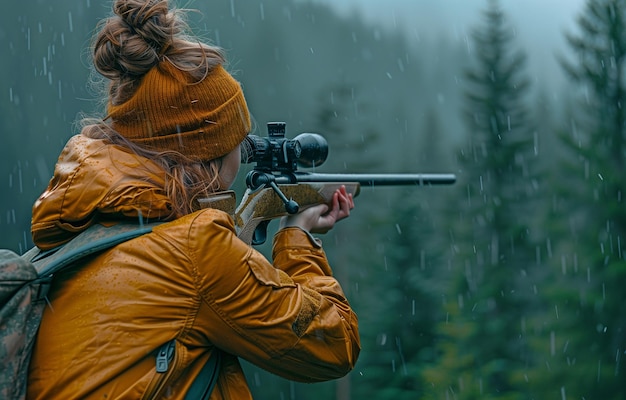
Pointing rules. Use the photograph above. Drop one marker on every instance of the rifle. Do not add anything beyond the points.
(276, 188)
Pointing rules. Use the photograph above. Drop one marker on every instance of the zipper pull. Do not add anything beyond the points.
(164, 356)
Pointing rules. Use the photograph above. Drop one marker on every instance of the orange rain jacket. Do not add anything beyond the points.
(191, 280)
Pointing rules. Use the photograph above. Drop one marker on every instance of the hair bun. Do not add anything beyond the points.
(133, 39)
(149, 19)
(138, 36)
(136, 13)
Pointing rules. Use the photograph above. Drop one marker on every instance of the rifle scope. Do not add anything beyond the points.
(276, 153)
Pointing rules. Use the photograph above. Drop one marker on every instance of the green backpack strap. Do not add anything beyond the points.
(202, 386)
(93, 240)
(204, 383)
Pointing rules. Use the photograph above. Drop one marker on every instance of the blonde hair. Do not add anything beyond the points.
(126, 46)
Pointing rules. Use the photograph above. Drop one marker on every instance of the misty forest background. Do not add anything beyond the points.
(507, 285)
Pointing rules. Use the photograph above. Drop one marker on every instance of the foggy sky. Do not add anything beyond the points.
(540, 24)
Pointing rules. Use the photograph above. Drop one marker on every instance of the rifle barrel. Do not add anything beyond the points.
(379, 179)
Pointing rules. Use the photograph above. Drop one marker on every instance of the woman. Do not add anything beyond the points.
(172, 135)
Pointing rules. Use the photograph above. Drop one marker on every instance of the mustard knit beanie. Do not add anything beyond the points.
(169, 111)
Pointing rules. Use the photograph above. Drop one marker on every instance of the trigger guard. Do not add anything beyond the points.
(260, 233)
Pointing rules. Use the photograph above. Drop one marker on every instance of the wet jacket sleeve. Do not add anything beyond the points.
(290, 318)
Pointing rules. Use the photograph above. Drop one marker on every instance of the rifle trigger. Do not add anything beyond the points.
(260, 233)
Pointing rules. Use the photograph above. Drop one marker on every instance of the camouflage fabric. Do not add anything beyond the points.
(21, 307)
(23, 289)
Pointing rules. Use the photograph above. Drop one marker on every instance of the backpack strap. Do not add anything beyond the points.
(204, 383)
(95, 239)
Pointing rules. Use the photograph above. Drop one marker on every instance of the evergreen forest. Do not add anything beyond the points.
(505, 285)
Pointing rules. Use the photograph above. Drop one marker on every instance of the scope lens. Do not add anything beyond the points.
(314, 150)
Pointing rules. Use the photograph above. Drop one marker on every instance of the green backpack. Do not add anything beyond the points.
(24, 284)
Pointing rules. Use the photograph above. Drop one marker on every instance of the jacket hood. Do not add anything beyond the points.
(95, 181)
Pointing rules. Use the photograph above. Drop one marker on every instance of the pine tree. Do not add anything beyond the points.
(584, 336)
(483, 344)
(400, 301)
(401, 274)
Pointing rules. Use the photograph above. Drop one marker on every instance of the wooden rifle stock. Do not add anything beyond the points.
(270, 196)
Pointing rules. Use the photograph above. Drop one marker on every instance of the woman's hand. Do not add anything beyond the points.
(322, 218)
